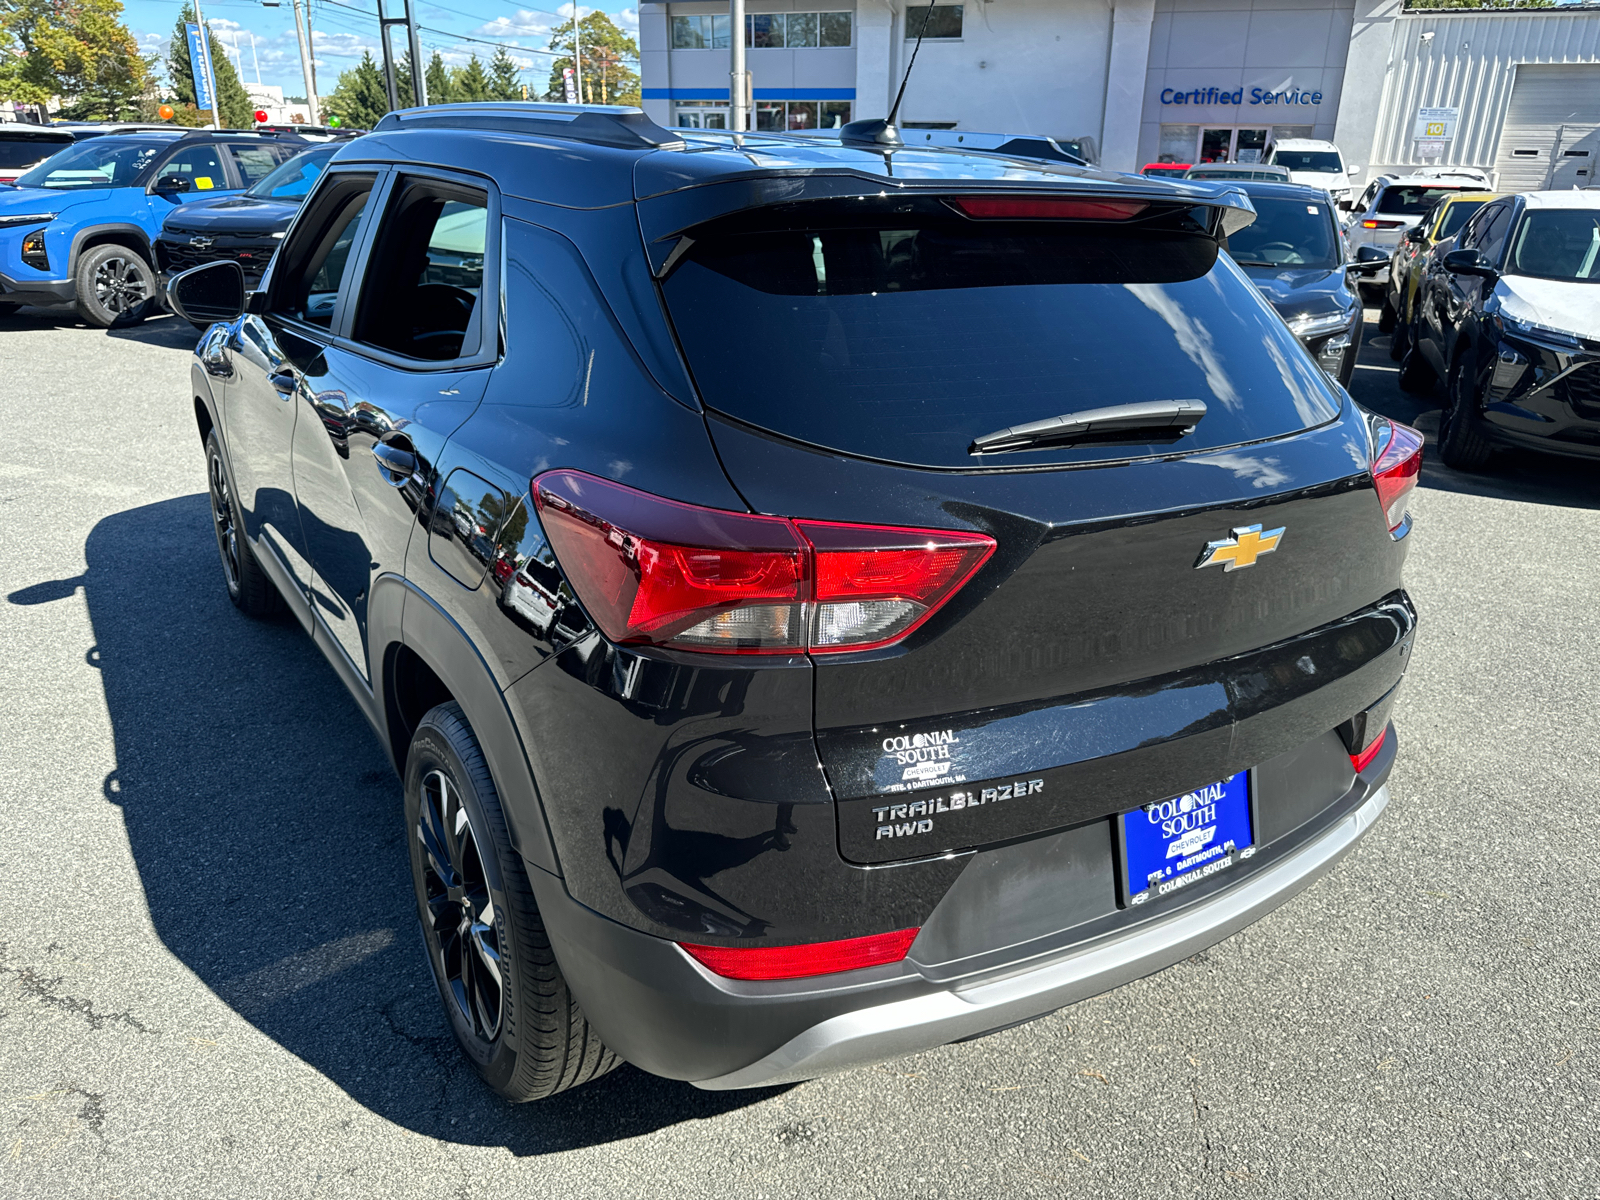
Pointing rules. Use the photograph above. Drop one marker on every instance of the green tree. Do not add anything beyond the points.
(441, 85)
(360, 100)
(471, 83)
(609, 58)
(504, 77)
(233, 103)
(402, 81)
(78, 50)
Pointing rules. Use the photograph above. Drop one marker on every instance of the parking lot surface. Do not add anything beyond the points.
(211, 983)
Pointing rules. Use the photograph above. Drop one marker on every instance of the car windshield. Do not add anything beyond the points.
(1307, 160)
(18, 153)
(1412, 200)
(104, 162)
(1558, 244)
(1286, 233)
(292, 179)
(1456, 216)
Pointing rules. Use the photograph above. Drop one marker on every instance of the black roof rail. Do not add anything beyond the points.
(598, 124)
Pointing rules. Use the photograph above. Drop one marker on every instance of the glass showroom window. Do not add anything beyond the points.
(701, 114)
(797, 30)
(777, 116)
(942, 21)
(704, 32)
(1177, 143)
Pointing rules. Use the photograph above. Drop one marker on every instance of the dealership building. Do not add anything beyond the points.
(1515, 91)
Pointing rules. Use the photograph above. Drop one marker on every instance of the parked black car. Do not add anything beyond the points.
(246, 228)
(1509, 319)
(1292, 251)
(823, 600)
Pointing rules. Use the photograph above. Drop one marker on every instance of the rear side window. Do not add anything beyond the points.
(1410, 200)
(1456, 216)
(422, 289)
(904, 336)
(201, 165)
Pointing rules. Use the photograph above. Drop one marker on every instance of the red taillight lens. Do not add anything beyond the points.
(1369, 224)
(1037, 208)
(1364, 759)
(795, 962)
(659, 572)
(1396, 470)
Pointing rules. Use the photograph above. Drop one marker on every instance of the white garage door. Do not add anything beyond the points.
(1552, 118)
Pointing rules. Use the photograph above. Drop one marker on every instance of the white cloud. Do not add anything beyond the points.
(627, 19)
(343, 45)
(521, 24)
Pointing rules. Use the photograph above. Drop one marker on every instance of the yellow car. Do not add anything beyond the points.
(1405, 266)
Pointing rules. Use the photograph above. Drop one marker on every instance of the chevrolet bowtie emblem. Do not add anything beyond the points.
(1246, 545)
(200, 243)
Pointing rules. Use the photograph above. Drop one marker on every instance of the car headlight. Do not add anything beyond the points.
(43, 218)
(1532, 329)
(1309, 325)
(33, 251)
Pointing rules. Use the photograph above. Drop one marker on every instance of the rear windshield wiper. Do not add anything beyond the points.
(1162, 420)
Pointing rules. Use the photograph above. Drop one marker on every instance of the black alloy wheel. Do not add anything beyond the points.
(1463, 442)
(113, 283)
(462, 927)
(251, 592)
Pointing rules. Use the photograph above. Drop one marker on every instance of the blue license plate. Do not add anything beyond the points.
(1173, 843)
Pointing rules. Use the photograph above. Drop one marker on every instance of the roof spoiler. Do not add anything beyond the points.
(597, 124)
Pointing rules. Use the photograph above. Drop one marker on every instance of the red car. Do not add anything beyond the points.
(1174, 169)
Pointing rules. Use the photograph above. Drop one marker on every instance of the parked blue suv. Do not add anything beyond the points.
(78, 228)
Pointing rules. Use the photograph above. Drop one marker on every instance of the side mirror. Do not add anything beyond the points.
(1352, 170)
(1467, 262)
(212, 292)
(1346, 205)
(1416, 234)
(169, 185)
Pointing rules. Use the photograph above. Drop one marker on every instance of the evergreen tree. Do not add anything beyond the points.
(441, 86)
(609, 58)
(504, 81)
(402, 81)
(233, 102)
(360, 100)
(471, 82)
(78, 50)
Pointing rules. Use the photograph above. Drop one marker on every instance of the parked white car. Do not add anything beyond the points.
(1314, 163)
(1389, 207)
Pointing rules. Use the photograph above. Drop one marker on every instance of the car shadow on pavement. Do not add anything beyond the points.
(1521, 475)
(164, 329)
(265, 823)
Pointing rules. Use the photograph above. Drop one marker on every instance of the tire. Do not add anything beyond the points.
(1399, 340)
(251, 591)
(1416, 376)
(112, 282)
(1386, 317)
(1463, 442)
(7, 308)
(525, 1036)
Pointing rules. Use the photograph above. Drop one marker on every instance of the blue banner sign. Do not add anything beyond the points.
(200, 67)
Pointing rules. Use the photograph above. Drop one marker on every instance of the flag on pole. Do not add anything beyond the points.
(200, 67)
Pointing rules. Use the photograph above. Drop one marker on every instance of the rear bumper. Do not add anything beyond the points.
(42, 293)
(662, 1011)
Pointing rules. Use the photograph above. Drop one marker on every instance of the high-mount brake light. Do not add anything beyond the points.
(1046, 208)
(797, 962)
(659, 572)
(1396, 469)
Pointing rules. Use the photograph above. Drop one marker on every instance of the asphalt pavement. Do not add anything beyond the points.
(211, 984)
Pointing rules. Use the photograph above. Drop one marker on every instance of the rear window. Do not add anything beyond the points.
(904, 335)
(20, 153)
(1411, 200)
(1307, 160)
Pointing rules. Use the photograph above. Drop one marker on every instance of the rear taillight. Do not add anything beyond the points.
(1363, 759)
(1395, 471)
(1037, 208)
(795, 962)
(659, 572)
(1370, 224)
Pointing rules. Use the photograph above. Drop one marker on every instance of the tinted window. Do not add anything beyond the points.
(939, 21)
(1455, 217)
(312, 263)
(255, 162)
(421, 291)
(907, 336)
(104, 162)
(1287, 233)
(1557, 245)
(1307, 160)
(1492, 232)
(1411, 199)
(293, 180)
(17, 153)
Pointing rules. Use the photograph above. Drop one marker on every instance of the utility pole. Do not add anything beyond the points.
(738, 77)
(577, 53)
(302, 30)
(205, 59)
(419, 90)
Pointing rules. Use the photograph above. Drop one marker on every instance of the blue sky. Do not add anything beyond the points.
(345, 29)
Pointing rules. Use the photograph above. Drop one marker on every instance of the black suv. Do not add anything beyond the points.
(824, 599)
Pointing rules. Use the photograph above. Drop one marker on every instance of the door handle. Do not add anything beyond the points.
(394, 464)
(284, 383)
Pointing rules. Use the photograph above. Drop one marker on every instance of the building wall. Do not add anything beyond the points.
(1241, 46)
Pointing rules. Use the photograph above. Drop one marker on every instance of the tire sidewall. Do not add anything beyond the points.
(233, 584)
(431, 749)
(89, 306)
